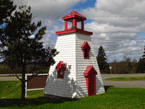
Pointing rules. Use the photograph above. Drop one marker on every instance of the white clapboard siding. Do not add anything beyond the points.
(74, 82)
(83, 63)
(66, 46)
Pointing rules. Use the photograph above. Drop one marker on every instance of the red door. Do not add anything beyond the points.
(90, 74)
(92, 85)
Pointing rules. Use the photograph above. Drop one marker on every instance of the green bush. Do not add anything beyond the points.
(4, 69)
(41, 71)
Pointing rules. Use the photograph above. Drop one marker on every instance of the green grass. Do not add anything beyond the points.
(35, 93)
(12, 90)
(114, 98)
(126, 78)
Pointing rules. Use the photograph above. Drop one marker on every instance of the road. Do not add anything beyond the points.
(123, 84)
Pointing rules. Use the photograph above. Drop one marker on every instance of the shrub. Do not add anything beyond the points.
(4, 69)
(41, 71)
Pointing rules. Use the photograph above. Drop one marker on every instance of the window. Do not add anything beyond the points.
(85, 48)
(86, 53)
(61, 67)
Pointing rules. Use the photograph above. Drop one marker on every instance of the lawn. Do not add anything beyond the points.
(114, 98)
(12, 90)
(126, 78)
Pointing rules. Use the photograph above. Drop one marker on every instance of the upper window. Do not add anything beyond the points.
(61, 67)
(86, 48)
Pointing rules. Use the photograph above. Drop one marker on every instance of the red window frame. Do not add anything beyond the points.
(61, 67)
(86, 48)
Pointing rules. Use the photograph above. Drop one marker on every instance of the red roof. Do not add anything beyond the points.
(74, 14)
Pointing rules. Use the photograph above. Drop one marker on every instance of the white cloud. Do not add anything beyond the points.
(49, 12)
(48, 9)
(116, 24)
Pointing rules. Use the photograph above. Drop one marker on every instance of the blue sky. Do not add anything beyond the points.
(141, 34)
(119, 26)
(84, 5)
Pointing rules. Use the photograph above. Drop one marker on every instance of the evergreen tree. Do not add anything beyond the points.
(20, 47)
(141, 66)
(6, 9)
(102, 61)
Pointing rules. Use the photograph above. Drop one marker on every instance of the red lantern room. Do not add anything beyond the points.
(74, 18)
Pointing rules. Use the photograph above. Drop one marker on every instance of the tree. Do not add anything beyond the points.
(20, 47)
(6, 9)
(102, 61)
(47, 57)
(44, 58)
(141, 66)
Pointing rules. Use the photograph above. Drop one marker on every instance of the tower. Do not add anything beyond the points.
(76, 73)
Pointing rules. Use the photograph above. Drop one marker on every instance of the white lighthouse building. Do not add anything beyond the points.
(76, 73)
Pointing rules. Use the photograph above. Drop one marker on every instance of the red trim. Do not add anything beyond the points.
(89, 70)
(65, 24)
(60, 67)
(82, 25)
(90, 75)
(74, 17)
(68, 31)
(86, 47)
(74, 23)
(74, 14)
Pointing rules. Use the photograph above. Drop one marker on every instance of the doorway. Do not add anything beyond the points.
(90, 75)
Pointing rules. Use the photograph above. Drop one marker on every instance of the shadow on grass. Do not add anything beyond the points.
(38, 101)
(33, 101)
(107, 87)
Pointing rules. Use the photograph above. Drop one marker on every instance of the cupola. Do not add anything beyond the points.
(74, 18)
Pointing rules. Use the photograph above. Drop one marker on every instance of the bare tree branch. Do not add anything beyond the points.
(33, 75)
(18, 77)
